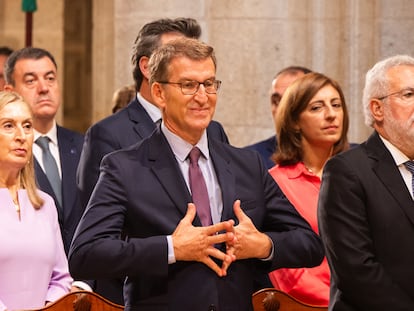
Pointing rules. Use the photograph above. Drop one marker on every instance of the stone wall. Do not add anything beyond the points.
(253, 40)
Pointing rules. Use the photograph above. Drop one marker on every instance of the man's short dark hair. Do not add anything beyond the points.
(149, 39)
(25, 53)
(293, 70)
(5, 50)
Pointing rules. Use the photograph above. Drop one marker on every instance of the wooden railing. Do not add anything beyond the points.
(82, 301)
(271, 299)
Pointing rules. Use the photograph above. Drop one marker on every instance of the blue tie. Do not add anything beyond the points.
(410, 166)
(50, 166)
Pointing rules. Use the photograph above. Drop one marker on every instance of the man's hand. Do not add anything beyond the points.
(197, 243)
(248, 242)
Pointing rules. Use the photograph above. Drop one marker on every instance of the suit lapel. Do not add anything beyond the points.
(44, 185)
(222, 167)
(143, 124)
(166, 170)
(69, 156)
(384, 167)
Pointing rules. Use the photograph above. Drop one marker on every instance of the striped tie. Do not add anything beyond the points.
(410, 166)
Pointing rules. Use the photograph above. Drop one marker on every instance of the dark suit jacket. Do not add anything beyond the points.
(366, 220)
(123, 129)
(266, 148)
(142, 192)
(70, 147)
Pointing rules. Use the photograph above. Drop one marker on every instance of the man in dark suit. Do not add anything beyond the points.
(366, 209)
(32, 72)
(133, 123)
(171, 261)
(280, 83)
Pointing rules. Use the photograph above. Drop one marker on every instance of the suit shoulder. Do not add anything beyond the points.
(355, 158)
(233, 151)
(70, 136)
(118, 118)
(263, 144)
(69, 132)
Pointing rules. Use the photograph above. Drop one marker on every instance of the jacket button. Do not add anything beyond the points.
(212, 308)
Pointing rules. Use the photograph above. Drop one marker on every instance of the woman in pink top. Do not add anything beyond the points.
(311, 124)
(33, 266)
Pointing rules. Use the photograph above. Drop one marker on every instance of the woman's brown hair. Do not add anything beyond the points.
(293, 103)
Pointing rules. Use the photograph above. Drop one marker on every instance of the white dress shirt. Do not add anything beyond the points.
(400, 158)
(181, 149)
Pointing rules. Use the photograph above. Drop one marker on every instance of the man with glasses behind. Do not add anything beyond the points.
(280, 83)
(366, 209)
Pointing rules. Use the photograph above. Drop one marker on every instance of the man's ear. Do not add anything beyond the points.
(8, 87)
(377, 109)
(143, 66)
(158, 94)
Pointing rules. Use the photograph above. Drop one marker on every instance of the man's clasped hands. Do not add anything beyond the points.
(197, 243)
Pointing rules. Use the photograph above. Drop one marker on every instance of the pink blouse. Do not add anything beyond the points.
(33, 264)
(309, 285)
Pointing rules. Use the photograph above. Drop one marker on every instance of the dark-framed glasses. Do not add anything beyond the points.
(191, 87)
(406, 95)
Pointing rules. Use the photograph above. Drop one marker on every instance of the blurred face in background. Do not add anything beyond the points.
(2, 62)
(279, 86)
(36, 81)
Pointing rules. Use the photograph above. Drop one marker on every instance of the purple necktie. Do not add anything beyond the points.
(198, 188)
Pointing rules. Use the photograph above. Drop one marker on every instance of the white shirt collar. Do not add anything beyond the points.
(151, 109)
(399, 157)
(181, 148)
(52, 134)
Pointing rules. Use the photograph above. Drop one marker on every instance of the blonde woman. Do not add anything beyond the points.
(33, 265)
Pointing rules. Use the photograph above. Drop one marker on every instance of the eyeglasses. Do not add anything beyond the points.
(406, 95)
(191, 87)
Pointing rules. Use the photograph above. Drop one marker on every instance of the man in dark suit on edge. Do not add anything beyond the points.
(366, 209)
(181, 255)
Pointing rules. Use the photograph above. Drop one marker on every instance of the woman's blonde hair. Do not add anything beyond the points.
(27, 178)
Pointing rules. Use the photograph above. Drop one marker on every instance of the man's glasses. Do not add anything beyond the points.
(191, 87)
(406, 95)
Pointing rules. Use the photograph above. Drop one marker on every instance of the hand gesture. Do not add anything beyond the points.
(197, 243)
(248, 242)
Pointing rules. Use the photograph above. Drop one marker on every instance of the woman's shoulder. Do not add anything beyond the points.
(46, 197)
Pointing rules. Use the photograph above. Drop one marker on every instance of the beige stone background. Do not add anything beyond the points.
(92, 41)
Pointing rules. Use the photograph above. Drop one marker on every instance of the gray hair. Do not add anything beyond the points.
(377, 81)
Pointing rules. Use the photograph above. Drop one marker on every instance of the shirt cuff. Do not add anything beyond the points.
(171, 255)
(82, 285)
(271, 253)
